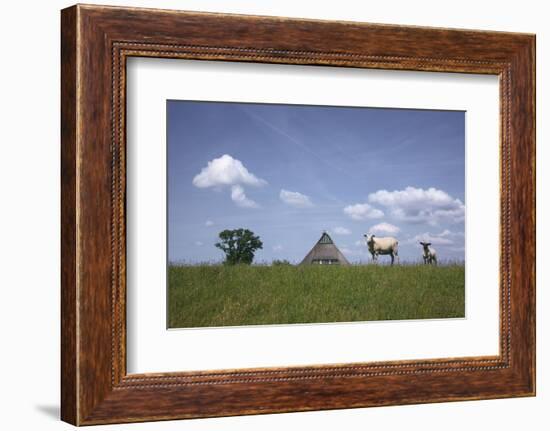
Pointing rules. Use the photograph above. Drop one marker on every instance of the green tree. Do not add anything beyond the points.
(279, 262)
(239, 245)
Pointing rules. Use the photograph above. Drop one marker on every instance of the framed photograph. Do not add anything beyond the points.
(264, 214)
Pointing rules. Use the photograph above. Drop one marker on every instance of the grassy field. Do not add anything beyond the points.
(218, 295)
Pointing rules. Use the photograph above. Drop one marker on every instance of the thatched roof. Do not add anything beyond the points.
(325, 252)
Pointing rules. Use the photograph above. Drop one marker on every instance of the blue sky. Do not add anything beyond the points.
(288, 172)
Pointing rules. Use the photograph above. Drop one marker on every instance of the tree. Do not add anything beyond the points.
(239, 245)
(279, 262)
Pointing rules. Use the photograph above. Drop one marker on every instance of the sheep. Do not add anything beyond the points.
(383, 245)
(429, 255)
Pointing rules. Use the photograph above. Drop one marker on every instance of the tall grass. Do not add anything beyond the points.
(219, 295)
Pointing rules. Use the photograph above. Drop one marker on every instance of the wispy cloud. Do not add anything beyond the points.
(444, 238)
(340, 230)
(209, 223)
(295, 199)
(363, 212)
(354, 252)
(295, 141)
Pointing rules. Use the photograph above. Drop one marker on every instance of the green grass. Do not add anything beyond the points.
(218, 295)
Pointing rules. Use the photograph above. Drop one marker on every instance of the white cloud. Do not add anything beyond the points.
(277, 248)
(295, 199)
(339, 230)
(363, 212)
(444, 238)
(226, 171)
(239, 197)
(199, 243)
(416, 205)
(209, 223)
(384, 228)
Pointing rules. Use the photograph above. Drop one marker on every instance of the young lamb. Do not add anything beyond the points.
(429, 255)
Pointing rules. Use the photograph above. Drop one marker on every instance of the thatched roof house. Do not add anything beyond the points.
(325, 252)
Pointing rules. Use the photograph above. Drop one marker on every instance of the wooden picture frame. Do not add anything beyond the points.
(95, 43)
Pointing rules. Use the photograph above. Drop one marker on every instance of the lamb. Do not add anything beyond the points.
(429, 255)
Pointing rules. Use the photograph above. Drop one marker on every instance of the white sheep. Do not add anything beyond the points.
(382, 245)
(429, 255)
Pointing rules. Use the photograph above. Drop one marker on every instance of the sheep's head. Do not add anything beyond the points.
(369, 237)
(425, 244)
